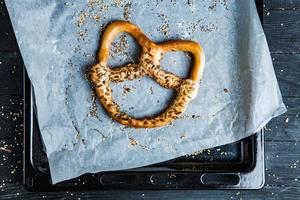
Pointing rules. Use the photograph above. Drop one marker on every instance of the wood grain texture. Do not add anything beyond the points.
(282, 29)
(287, 68)
(15, 191)
(287, 126)
(282, 4)
(11, 73)
(10, 160)
(7, 38)
(11, 116)
(282, 164)
(282, 176)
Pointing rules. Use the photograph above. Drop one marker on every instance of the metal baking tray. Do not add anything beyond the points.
(239, 165)
(234, 166)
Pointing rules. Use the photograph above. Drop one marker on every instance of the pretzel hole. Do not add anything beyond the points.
(178, 62)
(124, 49)
(145, 98)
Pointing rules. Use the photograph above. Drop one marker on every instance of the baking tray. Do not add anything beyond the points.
(234, 166)
(239, 165)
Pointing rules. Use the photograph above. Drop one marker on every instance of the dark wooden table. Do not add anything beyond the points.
(282, 27)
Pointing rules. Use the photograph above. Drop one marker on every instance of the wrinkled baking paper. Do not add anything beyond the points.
(59, 40)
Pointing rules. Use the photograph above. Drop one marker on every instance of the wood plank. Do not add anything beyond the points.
(11, 73)
(282, 175)
(287, 126)
(282, 163)
(287, 68)
(260, 8)
(282, 4)
(271, 193)
(7, 36)
(283, 30)
(10, 160)
(11, 116)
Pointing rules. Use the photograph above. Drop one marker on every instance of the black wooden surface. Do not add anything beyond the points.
(282, 27)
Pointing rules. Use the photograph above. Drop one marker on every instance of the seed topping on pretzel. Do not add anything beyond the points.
(149, 64)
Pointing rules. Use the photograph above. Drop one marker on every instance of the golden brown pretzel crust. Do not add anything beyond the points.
(149, 64)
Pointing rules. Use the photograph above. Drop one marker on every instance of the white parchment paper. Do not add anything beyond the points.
(59, 40)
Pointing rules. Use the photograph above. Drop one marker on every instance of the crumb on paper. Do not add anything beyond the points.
(119, 46)
(86, 75)
(67, 92)
(91, 13)
(151, 90)
(145, 147)
(195, 26)
(104, 7)
(126, 90)
(165, 27)
(82, 33)
(118, 3)
(93, 109)
(92, 3)
(96, 18)
(133, 141)
(81, 19)
(83, 141)
(190, 2)
(187, 54)
(131, 108)
(196, 116)
(208, 28)
(214, 4)
(127, 12)
(65, 147)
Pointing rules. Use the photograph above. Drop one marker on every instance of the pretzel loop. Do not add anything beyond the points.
(149, 64)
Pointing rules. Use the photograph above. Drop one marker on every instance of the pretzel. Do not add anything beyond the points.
(149, 64)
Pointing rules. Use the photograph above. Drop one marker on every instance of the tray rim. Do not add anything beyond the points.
(257, 172)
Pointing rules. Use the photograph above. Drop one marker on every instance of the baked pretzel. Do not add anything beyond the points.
(149, 64)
